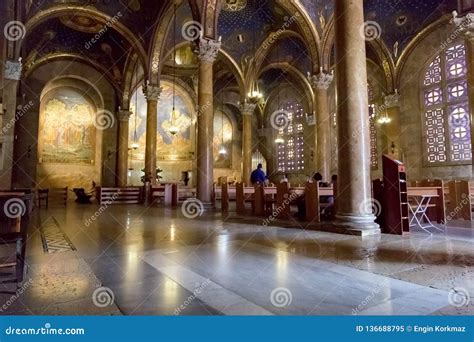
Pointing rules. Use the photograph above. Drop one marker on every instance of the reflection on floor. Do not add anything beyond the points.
(137, 261)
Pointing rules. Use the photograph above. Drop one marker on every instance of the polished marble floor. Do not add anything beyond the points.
(129, 260)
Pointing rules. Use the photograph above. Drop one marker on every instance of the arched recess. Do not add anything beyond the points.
(412, 112)
(69, 139)
(377, 47)
(444, 21)
(174, 152)
(89, 82)
(70, 9)
(63, 56)
(310, 34)
(301, 80)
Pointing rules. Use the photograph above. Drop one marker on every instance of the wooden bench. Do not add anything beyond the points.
(58, 196)
(128, 195)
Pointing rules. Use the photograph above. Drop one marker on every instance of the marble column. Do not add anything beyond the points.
(152, 94)
(123, 148)
(392, 129)
(247, 110)
(321, 83)
(207, 53)
(354, 200)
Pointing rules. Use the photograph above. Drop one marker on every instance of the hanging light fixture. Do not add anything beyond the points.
(174, 128)
(279, 139)
(222, 150)
(254, 95)
(135, 145)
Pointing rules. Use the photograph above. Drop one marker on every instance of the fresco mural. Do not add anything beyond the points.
(169, 147)
(222, 142)
(67, 131)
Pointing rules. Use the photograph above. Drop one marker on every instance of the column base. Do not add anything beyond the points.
(356, 225)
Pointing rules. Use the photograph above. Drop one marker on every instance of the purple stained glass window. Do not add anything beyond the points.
(446, 117)
(290, 153)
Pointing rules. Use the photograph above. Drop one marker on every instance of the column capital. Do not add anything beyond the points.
(208, 49)
(247, 108)
(124, 115)
(13, 70)
(464, 25)
(152, 92)
(392, 100)
(321, 81)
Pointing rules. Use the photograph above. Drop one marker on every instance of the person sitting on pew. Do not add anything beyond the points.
(319, 178)
(258, 176)
(284, 178)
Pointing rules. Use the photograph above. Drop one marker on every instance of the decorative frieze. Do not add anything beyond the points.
(247, 108)
(13, 70)
(124, 115)
(464, 24)
(392, 100)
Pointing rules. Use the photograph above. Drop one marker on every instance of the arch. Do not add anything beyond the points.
(70, 56)
(60, 10)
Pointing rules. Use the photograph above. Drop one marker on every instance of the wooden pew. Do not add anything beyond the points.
(157, 194)
(128, 195)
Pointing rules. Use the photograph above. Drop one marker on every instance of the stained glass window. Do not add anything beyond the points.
(446, 108)
(290, 153)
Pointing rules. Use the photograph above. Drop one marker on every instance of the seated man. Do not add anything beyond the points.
(258, 176)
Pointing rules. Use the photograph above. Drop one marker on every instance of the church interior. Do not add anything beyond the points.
(236, 157)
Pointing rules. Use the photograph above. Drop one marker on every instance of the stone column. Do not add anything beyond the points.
(465, 25)
(152, 94)
(208, 50)
(123, 148)
(12, 74)
(247, 110)
(354, 200)
(392, 128)
(321, 83)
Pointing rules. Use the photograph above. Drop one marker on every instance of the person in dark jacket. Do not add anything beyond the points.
(258, 176)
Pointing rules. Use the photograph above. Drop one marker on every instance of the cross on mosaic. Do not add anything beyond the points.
(237, 157)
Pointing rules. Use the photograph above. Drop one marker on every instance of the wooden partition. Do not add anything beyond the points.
(283, 193)
(460, 204)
